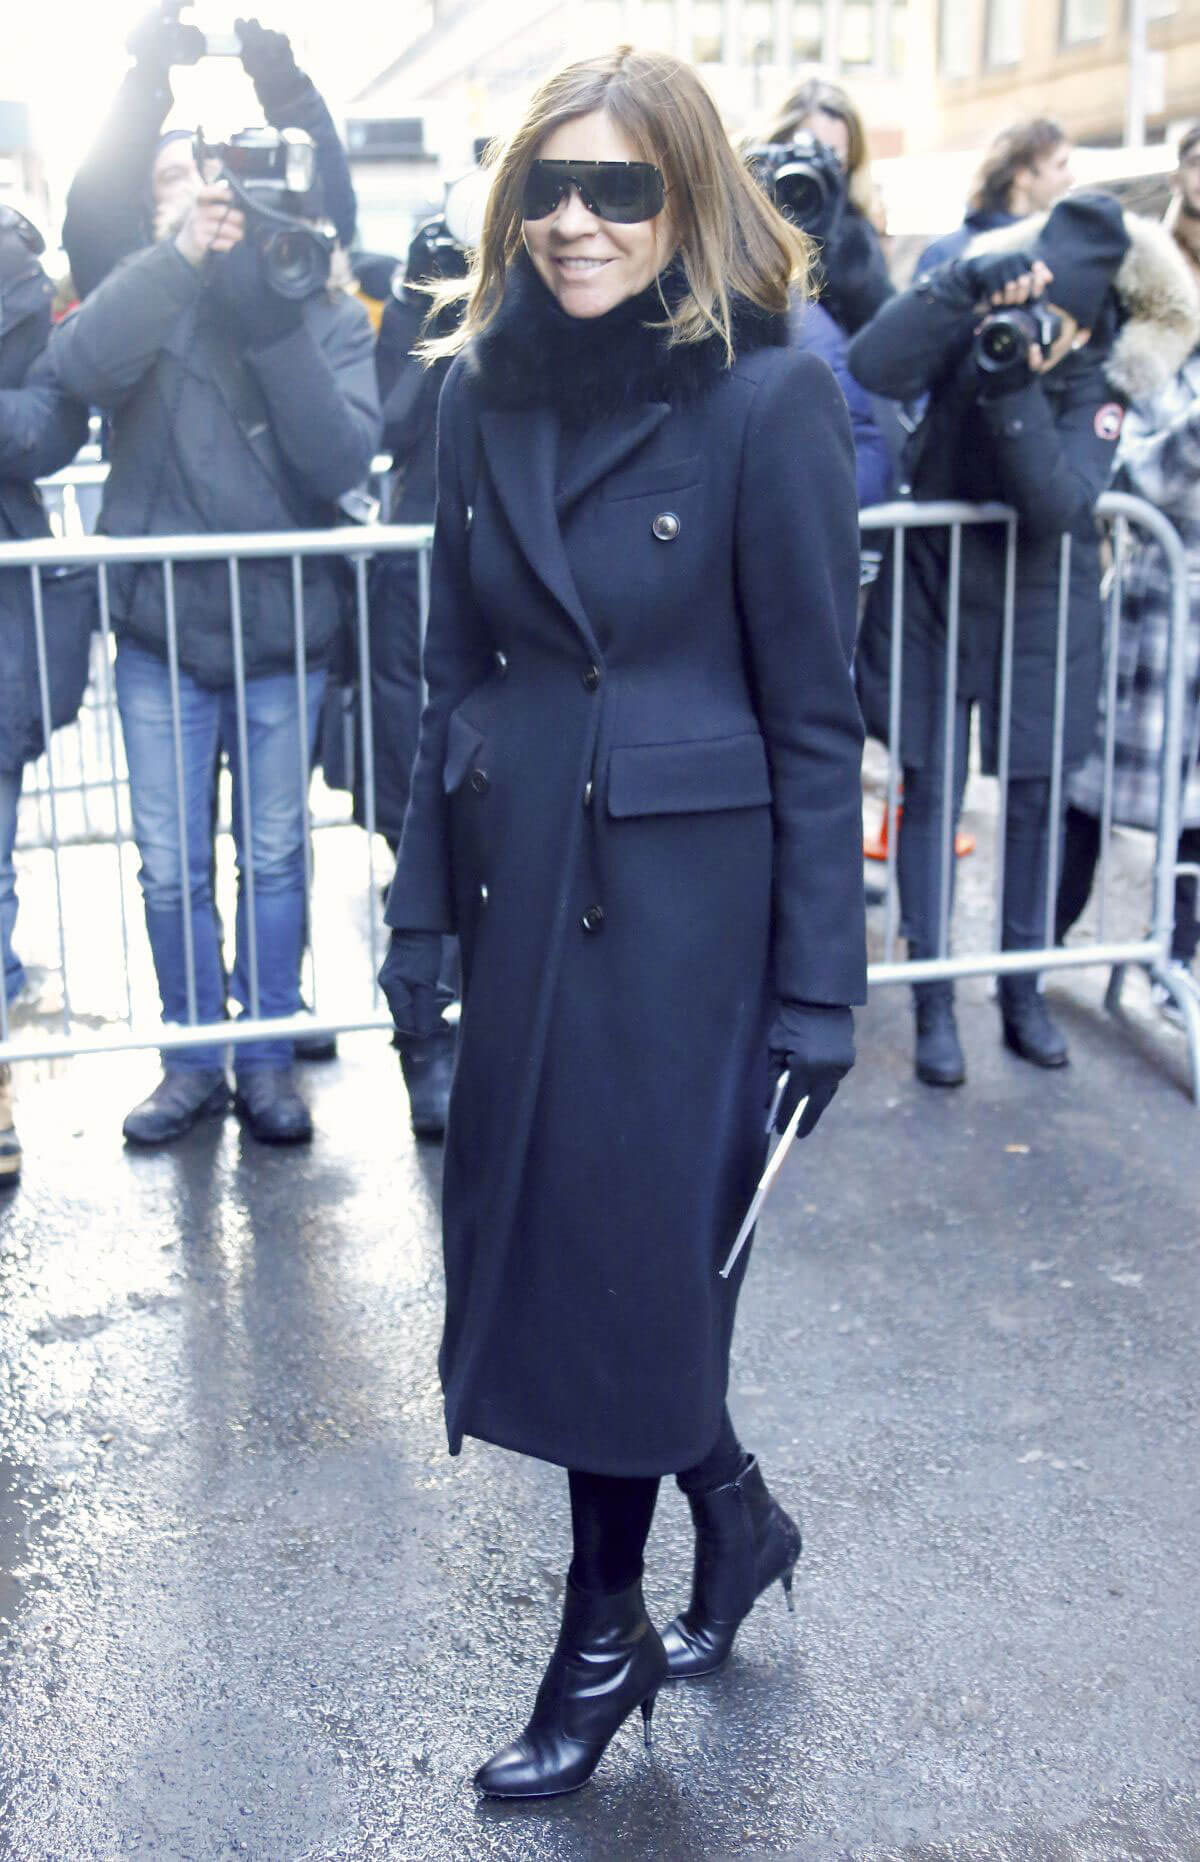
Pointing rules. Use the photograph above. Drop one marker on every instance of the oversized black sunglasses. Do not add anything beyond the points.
(623, 192)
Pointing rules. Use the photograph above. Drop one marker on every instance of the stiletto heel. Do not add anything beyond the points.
(647, 1711)
(786, 1580)
(607, 1661)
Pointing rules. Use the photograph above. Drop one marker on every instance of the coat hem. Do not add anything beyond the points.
(521, 1442)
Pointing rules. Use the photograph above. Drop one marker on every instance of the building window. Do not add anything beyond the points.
(858, 32)
(956, 31)
(808, 27)
(707, 37)
(1083, 20)
(1003, 34)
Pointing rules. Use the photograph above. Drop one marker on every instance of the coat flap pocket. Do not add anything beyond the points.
(463, 742)
(689, 778)
(671, 475)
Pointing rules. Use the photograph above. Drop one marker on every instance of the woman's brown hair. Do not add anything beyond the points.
(1022, 146)
(817, 93)
(731, 240)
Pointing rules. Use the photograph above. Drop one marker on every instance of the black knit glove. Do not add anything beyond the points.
(408, 978)
(157, 43)
(989, 272)
(814, 1042)
(269, 63)
(261, 317)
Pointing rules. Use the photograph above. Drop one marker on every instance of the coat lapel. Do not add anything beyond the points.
(521, 449)
(619, 436)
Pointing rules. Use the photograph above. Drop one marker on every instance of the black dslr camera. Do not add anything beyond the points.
(1005, 337)
(272, 175)
(804, 179)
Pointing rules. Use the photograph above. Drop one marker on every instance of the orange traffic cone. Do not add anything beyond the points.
(876, 847)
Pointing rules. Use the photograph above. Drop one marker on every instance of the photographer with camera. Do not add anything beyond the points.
(409, 388)
(243, 398)
(40, 431)
(135, 178)
(803, 178)
(855, 280)
(1029, 349)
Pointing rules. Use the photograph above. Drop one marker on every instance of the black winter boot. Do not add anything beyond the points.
(744, 1542)
(427, 1062)
(607, 1661)
(183, 1097)
(1028, 1029)
(939, 1057)
(268, 1103)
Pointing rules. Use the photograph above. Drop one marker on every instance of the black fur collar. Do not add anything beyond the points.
(534, 354)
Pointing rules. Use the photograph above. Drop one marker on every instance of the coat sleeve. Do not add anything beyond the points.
(815, 330)
(917, 338)
(108, 202)
(1052, 462)
(797, 570)
(41, 427)
(103, 349)
(298, 104)
(457, 657)
(323, 401)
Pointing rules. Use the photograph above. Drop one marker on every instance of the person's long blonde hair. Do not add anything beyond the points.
(731, 240)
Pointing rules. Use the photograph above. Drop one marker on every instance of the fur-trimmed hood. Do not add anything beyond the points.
(1157, 298)
(534, 354)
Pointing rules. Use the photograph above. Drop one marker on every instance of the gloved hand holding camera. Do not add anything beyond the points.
(161, 40)
(269, 63)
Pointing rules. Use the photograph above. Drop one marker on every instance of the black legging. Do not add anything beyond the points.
(611, 1513)
(1081, 856)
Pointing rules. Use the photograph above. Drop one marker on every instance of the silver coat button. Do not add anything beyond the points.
(666, 526)
(483, 895)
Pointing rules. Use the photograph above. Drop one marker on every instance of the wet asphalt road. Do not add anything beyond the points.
(249, 1608)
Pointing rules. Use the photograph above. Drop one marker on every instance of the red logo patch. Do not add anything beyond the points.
(1109, 420)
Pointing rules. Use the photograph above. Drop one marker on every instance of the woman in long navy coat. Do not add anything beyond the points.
(637, 802)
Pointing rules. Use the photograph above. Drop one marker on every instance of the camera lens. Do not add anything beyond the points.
(296, 263)
(801, 193)
(999, 343)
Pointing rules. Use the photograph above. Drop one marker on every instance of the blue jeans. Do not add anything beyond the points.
(10, 795)
(278, 808)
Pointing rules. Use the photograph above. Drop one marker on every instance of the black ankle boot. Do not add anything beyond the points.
(938, 1060)
(183, 1097)
(1028, 1028)
(607, 1661)
(427, 1063)
(744, 1542)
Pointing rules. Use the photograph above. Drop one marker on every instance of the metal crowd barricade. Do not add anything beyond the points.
(355, 546)
(1152, 949)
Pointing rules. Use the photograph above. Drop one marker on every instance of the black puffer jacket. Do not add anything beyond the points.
(206, 439)
(1048, 451)
(40, 430)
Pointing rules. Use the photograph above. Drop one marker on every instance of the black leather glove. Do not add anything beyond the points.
(989, 272)
(815, 1044)
(408, 978)
(260, 315)
(157, 43)
(269, 62)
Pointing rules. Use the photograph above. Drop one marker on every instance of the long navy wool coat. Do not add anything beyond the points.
(637, 801)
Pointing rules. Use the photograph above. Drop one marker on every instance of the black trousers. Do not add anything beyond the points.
(919, 851)
(1081, 856)
(611, 1514)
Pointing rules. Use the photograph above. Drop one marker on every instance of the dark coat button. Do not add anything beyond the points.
(481, 782)
(501, 662)
(666, 526)
(591, 678)
(593, 918)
